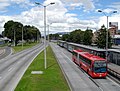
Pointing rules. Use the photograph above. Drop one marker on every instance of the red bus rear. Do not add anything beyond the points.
(95, 66)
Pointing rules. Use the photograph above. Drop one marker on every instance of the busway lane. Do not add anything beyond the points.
(9, 77)
(104, 84)
(108, 84)
(74, 76)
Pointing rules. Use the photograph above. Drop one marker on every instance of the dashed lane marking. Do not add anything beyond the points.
(10, 69)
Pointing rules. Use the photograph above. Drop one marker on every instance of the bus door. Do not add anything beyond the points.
(78, 60)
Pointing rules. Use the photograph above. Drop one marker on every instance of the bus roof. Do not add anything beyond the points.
(79, 50)
(91, 56)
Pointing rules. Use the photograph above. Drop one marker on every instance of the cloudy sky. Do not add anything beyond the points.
(64, 15)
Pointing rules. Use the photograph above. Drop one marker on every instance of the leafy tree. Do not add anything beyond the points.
(101, 39)
(87, 38)
(76, 36)
(29, 32)
(12, 27)
(53, 36)
(65, 37)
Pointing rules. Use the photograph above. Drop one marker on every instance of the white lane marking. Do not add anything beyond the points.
(66, 56)
(113, 81)
(19, 62)
(10, 69)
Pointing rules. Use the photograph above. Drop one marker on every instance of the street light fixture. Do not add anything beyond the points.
(107, 31)
(45, 62)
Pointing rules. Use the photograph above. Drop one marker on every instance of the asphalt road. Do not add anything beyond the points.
(4, 52)
(13, 67)
(78, 79)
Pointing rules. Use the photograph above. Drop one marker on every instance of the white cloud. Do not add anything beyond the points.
(4, 4)
(88, 4)
(22, 3)
(56, 14)
(115, 5)
(103, 20)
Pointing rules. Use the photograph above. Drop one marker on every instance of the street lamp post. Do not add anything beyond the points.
(107, 31)
(45, 62)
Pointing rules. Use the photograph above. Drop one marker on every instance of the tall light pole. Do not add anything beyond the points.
(107, 31)
(45, 62)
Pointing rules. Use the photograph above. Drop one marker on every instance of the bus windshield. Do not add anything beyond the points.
(100, 66)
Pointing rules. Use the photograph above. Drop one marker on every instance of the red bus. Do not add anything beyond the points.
(95, 66)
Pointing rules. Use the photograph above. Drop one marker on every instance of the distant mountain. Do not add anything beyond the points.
(62, 33)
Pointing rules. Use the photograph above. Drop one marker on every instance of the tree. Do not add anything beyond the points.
(101, 39)
(54, 36)
(65, 37)
(29, 32)
(87, 38)
(76, 36)
(12, 27)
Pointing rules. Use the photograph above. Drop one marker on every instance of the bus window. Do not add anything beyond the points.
(100, 66)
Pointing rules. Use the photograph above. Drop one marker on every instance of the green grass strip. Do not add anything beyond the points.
(25, 46)
(52, 78)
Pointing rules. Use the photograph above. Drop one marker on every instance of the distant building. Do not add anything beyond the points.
(116, 39)
(113, 31)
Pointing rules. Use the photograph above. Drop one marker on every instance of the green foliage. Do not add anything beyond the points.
(87, 38)
(79, 37)
(76, 36)
(52, 78)
(101, 39)
(65, 37)
(54, 36)
(29, 32)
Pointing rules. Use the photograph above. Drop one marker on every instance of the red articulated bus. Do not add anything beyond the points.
(95, 66)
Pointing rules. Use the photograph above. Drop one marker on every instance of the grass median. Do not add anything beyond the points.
(25, 46)
(52, 78)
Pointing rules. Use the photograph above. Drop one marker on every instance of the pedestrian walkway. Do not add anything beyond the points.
(76, 79)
